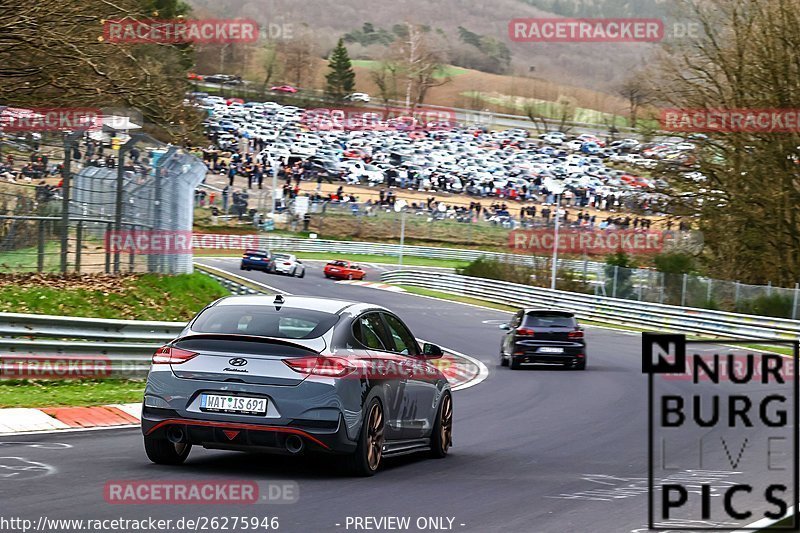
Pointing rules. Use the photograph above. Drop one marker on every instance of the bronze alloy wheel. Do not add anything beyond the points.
(375, 437)
(446, 425)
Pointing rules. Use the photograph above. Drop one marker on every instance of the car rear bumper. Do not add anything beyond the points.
(549, 359)
(572, 354)
(257, 265)
(317, 436)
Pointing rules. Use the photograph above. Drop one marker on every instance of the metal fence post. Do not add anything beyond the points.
(78, 245)
(794, 304)
(736, 296)
(40, 251)
(108, 251)
(614, 286)
(661, 289)
(769, 288)
(132, 255)
(708, 292)
(683, 290)
(69, 144)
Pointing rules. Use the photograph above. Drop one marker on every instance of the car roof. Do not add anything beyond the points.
(325, 305)
(537, 311)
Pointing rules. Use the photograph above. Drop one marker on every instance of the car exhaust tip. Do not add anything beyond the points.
(176, 435)
(294, 444)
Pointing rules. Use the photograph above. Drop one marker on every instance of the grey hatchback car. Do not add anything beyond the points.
(293, 375)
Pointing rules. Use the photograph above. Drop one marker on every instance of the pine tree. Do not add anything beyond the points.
(341, 78)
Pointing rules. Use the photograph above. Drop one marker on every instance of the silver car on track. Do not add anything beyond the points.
(293, 375)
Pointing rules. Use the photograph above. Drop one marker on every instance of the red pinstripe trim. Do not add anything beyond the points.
(233, 425)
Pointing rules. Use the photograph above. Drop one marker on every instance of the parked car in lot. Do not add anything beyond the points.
(257, 260)
(543, 336)
(288, 264)
(283, 89)
(293, 375)
(343, 270)
(357, 97)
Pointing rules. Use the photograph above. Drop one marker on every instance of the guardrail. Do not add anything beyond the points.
(611, 310)
(30, 344)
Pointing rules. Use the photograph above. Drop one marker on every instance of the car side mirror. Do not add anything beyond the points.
(505, 327)
(431, 351)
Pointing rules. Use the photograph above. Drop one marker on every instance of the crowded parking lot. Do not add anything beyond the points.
(367, 147)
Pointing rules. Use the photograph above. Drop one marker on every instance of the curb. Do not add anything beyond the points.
(26, 420)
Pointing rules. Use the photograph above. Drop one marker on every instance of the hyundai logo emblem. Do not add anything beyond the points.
(237, 361)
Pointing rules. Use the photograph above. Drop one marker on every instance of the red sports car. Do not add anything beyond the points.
(343, 270)
(284, 89)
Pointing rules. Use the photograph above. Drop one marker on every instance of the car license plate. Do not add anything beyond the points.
(550, 349)
(233, 404)
(334, 270)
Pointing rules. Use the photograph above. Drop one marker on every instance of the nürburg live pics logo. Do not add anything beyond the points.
(722, 433)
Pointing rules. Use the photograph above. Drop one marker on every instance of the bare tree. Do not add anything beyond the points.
(635, 89)
(419, 63)
(298, 56)
(746, 58)
(52, 53)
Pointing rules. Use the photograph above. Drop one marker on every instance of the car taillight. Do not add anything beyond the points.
(172, 356)
(525, 332)
(287, 264)
(334, 367)
(577, 334)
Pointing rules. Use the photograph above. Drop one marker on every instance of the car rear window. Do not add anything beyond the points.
(549, 320)
(264, 321)
(260, 253)
(338, 263)
(281, 257)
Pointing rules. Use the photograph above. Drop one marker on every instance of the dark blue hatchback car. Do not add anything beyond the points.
(257, 260)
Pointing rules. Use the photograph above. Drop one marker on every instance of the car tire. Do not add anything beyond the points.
(164, 452)
(366, 460)
(503, 360)
(302, 273)
(350, 276)
(580, 366)
(293, 272)
(442, 436)
(514, 364)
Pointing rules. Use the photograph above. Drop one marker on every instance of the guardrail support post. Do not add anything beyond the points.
(683, 290)
(708, 292)
(794, 304)
(736, 297)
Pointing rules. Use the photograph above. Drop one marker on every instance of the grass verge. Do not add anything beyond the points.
(53, 393)
(133, 296)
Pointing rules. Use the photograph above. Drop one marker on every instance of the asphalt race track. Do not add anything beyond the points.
(534, 450)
